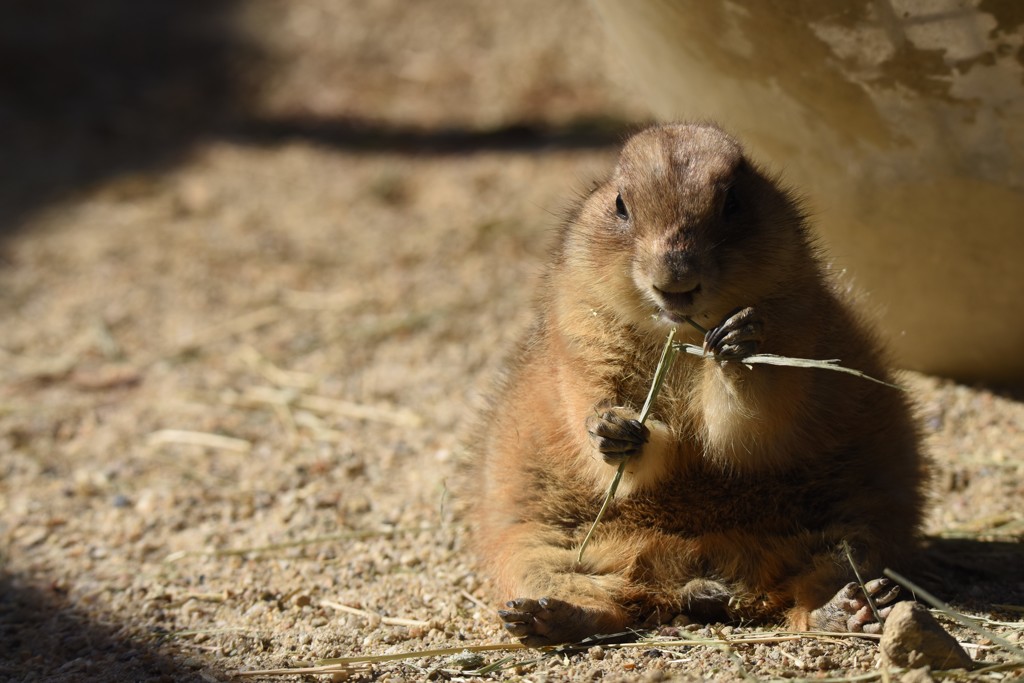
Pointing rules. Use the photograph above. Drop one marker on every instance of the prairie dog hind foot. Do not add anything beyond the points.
(849, 610)
(549, 621)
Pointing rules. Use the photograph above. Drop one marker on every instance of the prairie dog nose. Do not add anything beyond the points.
(678, 273)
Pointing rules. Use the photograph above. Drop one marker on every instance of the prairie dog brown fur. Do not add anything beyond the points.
(740, 492)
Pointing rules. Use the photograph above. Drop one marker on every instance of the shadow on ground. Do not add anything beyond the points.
(974, 574)
(44, 638)
(93, 90)
(366, 136)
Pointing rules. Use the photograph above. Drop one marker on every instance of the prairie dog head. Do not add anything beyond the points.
(687, 226)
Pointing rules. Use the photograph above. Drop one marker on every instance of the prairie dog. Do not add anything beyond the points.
(740, 492)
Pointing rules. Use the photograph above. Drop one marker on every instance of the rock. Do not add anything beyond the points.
(913, 639)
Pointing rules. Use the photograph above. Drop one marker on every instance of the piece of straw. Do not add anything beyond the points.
(668, 354)
(772, 359)
(863, 585)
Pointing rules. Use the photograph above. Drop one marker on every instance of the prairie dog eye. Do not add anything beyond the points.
(620, 208)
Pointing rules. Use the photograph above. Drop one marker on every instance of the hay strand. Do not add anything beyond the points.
(668, 355)
(373, 616)
(772, 359)
(164, 437)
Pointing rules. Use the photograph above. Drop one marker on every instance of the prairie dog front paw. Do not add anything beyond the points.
(617, 434)
(739, 335)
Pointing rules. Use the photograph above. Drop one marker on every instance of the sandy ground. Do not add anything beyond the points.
(237, 357)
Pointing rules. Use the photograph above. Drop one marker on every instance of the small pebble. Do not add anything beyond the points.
(824, 663)
(466, 660)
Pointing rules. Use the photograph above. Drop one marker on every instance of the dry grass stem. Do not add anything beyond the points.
(296, 420)
(740, 639)
(166, 437)
(772, 359)
(207, 631)
(860, 581)
(373, 616)
(664, 363)
(874, 675)
(342, 669)
(343, 664)
(668, 355)
(287, 418)
(205, 597)
(475, 600)
(274, 374)
(247, 322)
(399, 417)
